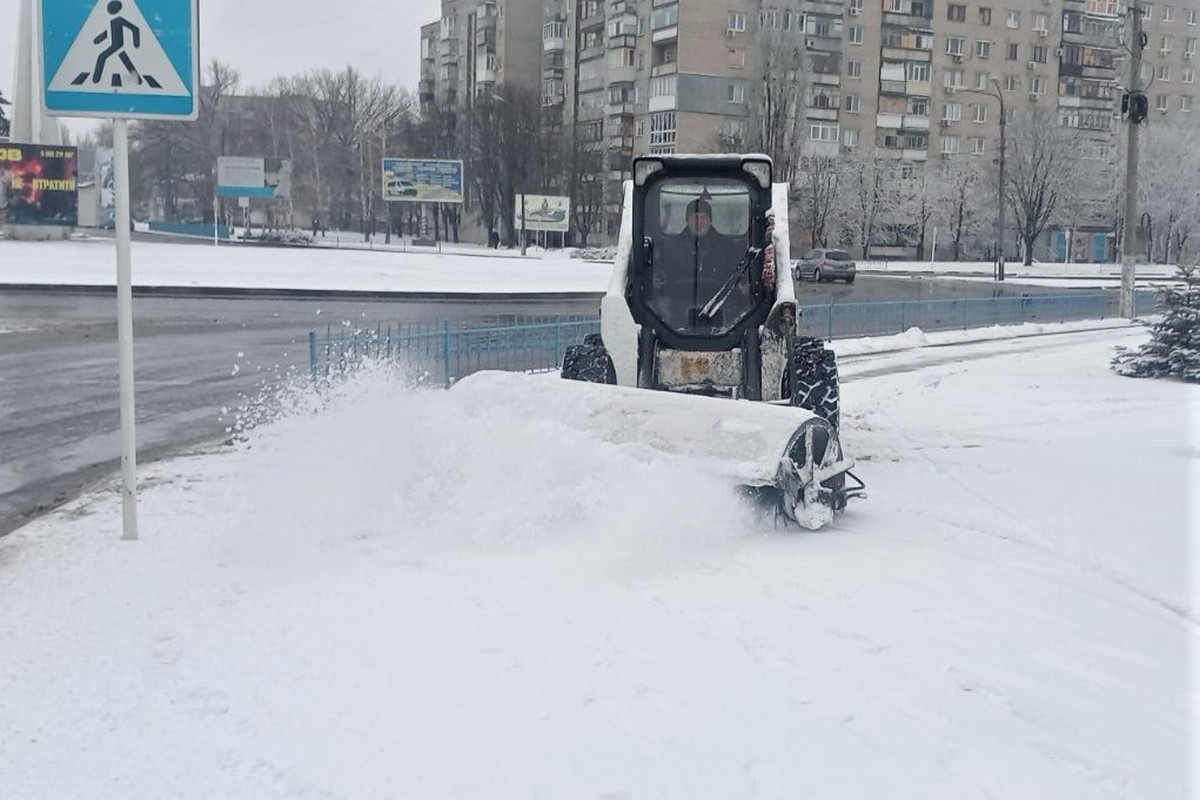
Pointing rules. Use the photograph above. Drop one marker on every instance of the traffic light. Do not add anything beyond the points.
(1139, 108)
(1124, 104)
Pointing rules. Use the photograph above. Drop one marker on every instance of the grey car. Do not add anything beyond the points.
(825, 264)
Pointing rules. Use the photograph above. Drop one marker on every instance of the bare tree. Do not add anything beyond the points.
(957, 187)
(861, 200)
(1168, 169)
(1043, 169)
(816, 191)
(776, 94)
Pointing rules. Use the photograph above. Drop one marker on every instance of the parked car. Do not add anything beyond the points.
(825, 264)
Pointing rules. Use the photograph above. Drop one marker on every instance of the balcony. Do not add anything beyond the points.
(664, 69)
(826, 114)
(665, 34)
(620, 109)
(554, 44)
(622, 75)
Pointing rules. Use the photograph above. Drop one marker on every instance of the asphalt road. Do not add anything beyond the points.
(198, 359)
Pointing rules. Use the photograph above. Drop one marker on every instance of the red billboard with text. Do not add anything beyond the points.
(38, 185)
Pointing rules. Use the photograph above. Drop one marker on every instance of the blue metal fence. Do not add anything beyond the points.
(446, 352)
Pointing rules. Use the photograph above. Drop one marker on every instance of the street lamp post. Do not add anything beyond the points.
(998, 271)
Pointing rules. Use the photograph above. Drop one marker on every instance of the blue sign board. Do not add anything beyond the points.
(420, 180)
(135, 59)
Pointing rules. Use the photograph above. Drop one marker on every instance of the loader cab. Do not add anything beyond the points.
(699, 232)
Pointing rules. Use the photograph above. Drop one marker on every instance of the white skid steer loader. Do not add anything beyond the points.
(697, 309)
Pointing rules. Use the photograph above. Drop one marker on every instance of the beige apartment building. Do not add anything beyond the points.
(915, 80)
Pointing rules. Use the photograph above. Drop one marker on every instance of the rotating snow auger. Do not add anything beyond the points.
(697, 309)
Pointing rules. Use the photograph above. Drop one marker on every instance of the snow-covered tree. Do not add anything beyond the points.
(1169, 187)
(1174, 347)
(957, 189)
(1042, 171)
(775, 99)
(816, 189)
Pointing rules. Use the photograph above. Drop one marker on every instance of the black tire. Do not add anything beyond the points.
(817, 275)
(850, 280)
(815, 369)
(589, 363)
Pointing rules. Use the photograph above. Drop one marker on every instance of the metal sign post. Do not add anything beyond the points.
(105, 58)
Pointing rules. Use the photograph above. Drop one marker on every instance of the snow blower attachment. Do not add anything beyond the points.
(696, 307)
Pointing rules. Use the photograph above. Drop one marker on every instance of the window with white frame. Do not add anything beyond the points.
(852, 103)
(978, 144)
(949, 145)
(1193, 16)
(1037, 85)
(1162, 102)
(983, 48)
(1147, 11)
(1185, 103)
(1040, 53)
(1168, 14)
(822, 132)
(856, 5)
(1164, 44)
(735, 93)
(662, 86)
(855, 33)
(1189, 45)
(979, 113)
(1164, 72)
(1012, 51)
(850, 137)
(1041, 22)
(1189, 75)
(952, 77)
(923, 41)
(918, 106)
(952, 112)
(918, 71)
(853, 69)
(662, 132)
(1012, 18)
(553, 30)
(736, 22)
(954, 45)
(981, 80)
(1011, 83)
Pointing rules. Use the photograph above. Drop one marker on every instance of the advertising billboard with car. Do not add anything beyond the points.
(418, 180)
(38, 185)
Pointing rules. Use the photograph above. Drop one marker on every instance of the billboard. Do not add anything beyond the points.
(239, 176)
(38, 185)
(543, 213)
(418, 180)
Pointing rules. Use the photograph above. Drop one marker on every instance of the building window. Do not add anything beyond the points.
(1193, 16)
(1040, 51)
(854, 69)
(737, 59)
(978, 143)
(1148, 11)
(1041, 22)
(1164, 44)
(979, 114)
(1011, 83)
(1161, 102)
(1037, 85)
(952, 112)
(737, 22)
(916, 71)
(949, 145)
(983, 48)
(918, 106)
(553, 30)
(952, 77)
(1012, 18)
(1189, 75)
(954, 45)
(1168, 14)
(662, 132)
(923, 41)
(850, 137)
(1164, 72)
(1012, 51)
(956, 13)
(852, 103)
(916, 141)
(985, 16)
(981, 80)
(662, 86)
(1185, 103)
(822, 132)
(856, 34)
(664, 17)
(1189, 46)
(735, 93)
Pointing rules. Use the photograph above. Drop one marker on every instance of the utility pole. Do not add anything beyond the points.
(1137, 107)
(1001, 198)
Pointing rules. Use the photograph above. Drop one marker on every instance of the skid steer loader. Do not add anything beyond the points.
(697, 309)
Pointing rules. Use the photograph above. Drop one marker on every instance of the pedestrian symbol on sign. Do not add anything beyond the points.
(116, 51)
(116, 47)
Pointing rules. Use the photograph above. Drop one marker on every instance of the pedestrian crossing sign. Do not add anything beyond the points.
(137, 59)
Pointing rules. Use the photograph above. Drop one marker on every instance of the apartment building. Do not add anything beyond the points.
(478, 47)
(919, 81)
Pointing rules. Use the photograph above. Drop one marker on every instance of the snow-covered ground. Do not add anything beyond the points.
(458, 268)
(397, 592)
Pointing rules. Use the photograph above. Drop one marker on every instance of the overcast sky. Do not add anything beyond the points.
(263, 39)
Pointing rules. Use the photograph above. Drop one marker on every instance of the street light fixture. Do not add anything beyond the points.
(999, 95)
